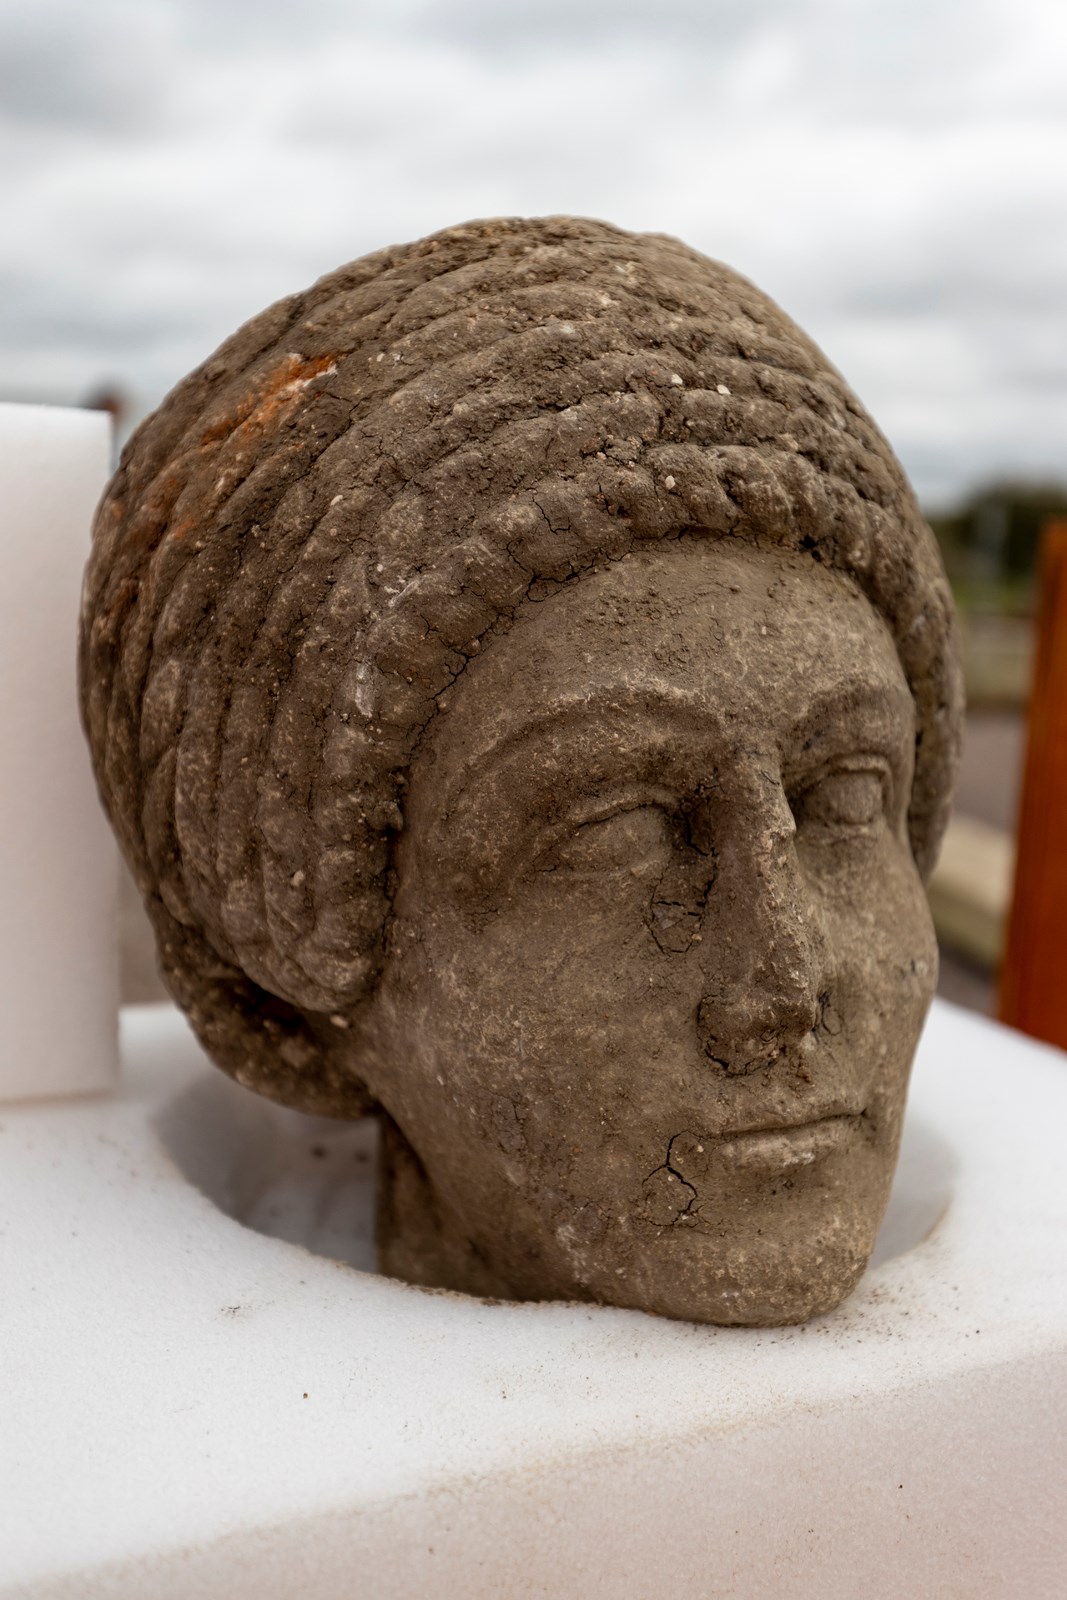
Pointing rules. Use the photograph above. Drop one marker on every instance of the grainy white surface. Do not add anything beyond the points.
(58, 861)
(192, 1408)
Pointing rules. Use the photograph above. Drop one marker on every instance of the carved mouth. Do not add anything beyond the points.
(778, 1149)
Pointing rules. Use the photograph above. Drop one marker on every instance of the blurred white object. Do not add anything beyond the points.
(58, 859)
(195, 1404)
(970, 891)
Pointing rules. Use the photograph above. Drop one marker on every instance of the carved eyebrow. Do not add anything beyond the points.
(833, 706)
(660, 706)
(653, 708)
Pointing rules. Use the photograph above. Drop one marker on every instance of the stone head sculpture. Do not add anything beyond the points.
(525, 692)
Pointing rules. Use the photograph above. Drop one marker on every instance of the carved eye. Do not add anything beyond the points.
(844, 799)
(630, 841)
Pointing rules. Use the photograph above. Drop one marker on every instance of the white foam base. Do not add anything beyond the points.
(190, 1408)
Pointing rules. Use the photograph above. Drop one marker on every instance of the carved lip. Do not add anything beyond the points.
(782, 1147)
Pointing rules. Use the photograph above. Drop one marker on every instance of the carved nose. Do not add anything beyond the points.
(741, 1037)
(764, 955)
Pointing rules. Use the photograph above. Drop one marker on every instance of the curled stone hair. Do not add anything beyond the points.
(320, 526)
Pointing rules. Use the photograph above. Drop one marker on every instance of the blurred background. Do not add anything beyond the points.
(893, 174)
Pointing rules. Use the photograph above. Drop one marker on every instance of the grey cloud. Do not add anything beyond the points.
(99, 68)
(554, 24)
(485, 26)
(891, 174)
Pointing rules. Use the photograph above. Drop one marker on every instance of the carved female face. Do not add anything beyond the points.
(661, 954)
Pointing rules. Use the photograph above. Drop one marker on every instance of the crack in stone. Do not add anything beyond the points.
(673, 1172)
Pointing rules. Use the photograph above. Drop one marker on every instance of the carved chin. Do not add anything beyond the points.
(778, 1233)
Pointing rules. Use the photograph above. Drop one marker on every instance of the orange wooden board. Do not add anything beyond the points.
(1033, 984)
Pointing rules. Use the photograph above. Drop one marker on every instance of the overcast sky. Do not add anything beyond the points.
(893, 172)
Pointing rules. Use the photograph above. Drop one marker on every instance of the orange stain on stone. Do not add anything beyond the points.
(191, 485)
(272, 398)
(233, 442)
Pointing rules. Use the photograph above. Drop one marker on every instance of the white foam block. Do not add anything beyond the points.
(191, 1408)
(58, 860)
